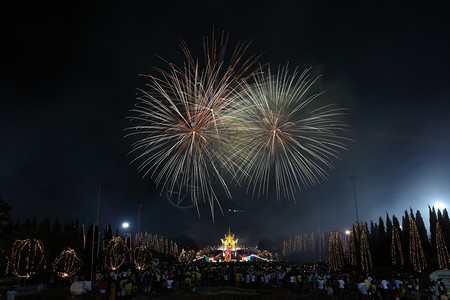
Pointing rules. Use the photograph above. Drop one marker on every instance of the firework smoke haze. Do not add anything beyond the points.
(182, 135)
(284, 136)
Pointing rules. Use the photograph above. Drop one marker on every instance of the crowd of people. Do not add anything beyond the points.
(312, 279)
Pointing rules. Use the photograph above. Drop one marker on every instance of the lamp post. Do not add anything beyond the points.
(126, 225)
(99, 181)
(318, 231)
(353, 179)
(98, 212)
(139, 221)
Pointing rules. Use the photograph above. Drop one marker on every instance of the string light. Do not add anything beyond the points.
(3, 261)
(115, 253)
(67, 263)
(142, 257)
(312, 242)
(27, 258)
(396, 246)
(323, 245)
(186, 256)
(416, 254)
(84, 237)
(442, 252)
(335, 251)
(302, 243)
(352, 247)
(159, 244)
(366, 257)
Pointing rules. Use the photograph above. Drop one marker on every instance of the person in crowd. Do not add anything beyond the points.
(362, 287)
(11, 293)
(341, 286)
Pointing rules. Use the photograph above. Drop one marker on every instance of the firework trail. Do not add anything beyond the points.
(183, 132)
(284, 137)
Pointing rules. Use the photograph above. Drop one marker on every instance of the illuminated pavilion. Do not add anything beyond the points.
(228, 245)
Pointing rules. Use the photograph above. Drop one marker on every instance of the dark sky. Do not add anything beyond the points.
(69, 75)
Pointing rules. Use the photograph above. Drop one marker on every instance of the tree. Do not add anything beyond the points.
(422, 231)
(352, 246)
(389, 232)
(433, 221)
(366, 257)
(396, 248)
(416, 254)
(446, 226)
(405, 232)
(107, 235)
(383, 252)
(335, 251)
(57, 231)
(441, 248)
(5, 214)
(266, 244)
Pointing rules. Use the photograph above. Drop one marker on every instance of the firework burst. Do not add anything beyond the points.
(183, 130)
(284, 137)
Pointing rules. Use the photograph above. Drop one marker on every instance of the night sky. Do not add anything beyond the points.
(69, 75)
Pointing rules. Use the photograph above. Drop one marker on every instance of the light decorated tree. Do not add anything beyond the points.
(352, 247)
(416, 254)
(3, 261)
(115, 253)
(27, 258)
(186, 256)
(366, 256)
(396, 248)
(83, 233)
(67, 263)
(142, 257)
(312, 242)
(335, 251)
(441, 248)
(324, 247)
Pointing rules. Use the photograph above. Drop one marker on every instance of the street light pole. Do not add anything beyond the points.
(92, 255)
(353, 179)
(318, 231)
(98, 212)
(96, 225)
(139, 222)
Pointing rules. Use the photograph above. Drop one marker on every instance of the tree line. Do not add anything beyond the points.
(400, 243)
(48, 243)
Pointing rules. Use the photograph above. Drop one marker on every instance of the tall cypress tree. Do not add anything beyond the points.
(446, 227)
(422, 232)
(5, 214)
(44, 229)
(382, 244)
(396, 224)
(389, 232)
(374, 240)
(56, 231)
(417, 256)
(433, 221)
(405, 234)
(107, 235)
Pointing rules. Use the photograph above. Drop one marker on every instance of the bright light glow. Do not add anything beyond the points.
(347, 232)
(125, 225)
(439, 205)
